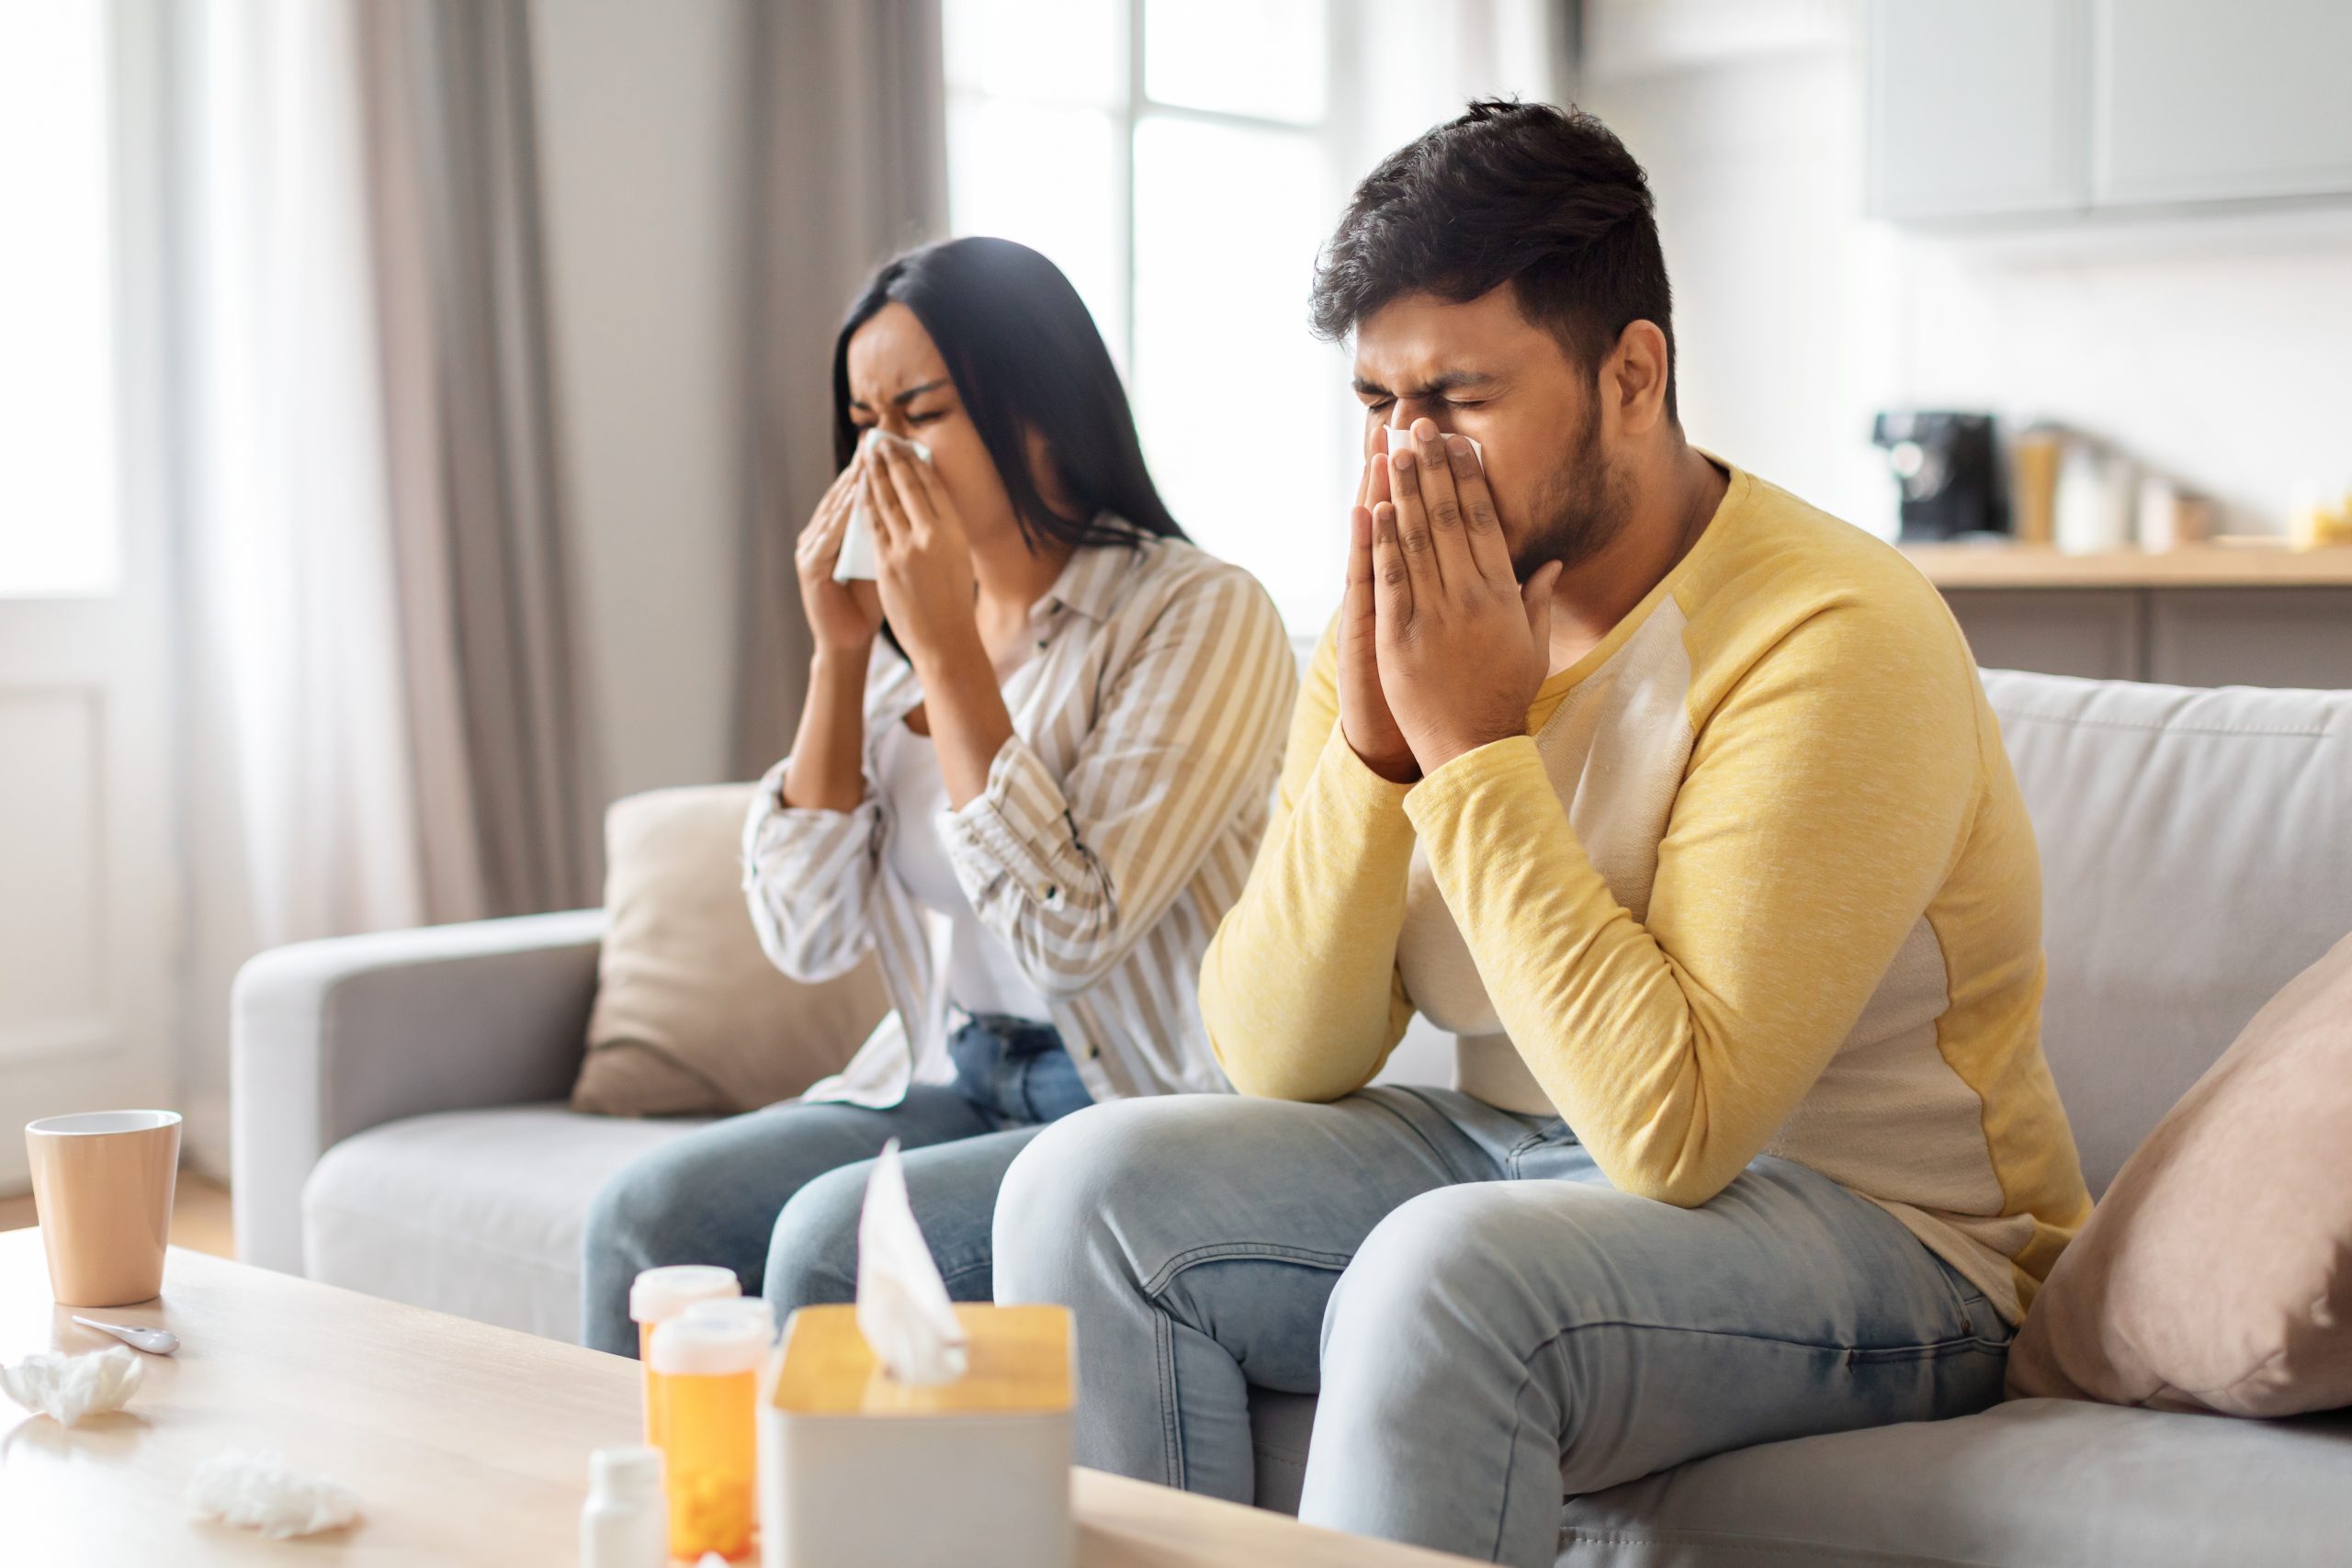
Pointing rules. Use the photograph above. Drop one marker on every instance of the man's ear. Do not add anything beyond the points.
(1633, 379)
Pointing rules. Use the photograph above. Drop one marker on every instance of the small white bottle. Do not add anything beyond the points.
(625, 1524)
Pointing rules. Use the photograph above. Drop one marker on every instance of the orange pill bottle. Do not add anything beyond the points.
(658, 1295)
(709, 1361)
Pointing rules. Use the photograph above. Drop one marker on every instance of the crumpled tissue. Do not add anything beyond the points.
(858, 560)
(257, 1491)
(903, 1306)
(70, 1387)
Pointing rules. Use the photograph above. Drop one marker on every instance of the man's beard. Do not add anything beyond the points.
(1580, 506)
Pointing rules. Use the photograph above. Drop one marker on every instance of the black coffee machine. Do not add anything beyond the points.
(1949, 467)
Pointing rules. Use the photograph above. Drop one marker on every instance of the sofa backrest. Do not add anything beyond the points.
(2196, 856)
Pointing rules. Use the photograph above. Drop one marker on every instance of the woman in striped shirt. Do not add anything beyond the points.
(1029, 779)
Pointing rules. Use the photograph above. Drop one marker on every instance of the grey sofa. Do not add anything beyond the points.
(399, 1130)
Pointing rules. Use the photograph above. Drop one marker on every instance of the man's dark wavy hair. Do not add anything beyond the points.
(1544, 199)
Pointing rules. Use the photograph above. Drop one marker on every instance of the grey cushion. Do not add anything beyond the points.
(2036, 1482)
(2196, 856)
(476, 1213)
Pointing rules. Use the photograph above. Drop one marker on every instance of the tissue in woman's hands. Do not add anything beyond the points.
(903, 1306)
(70, 1387)
(857, 561)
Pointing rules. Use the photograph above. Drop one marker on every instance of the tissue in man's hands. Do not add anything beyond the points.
(902, 1306)
(67, 1388)
(858, 561)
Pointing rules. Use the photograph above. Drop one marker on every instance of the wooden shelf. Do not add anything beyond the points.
(2196, 566)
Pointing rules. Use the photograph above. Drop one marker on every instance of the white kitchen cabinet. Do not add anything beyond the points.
(1976, 108)
(2199, 101)
(2053, 109)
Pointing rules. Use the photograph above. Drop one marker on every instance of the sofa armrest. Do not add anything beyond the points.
(329, 1038)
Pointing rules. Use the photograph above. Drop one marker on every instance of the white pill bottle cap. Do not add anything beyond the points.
(711, 1347)
(660, 1294)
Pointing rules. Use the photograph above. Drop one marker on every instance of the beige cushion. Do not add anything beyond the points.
(2217, 1272)
(691, 1019)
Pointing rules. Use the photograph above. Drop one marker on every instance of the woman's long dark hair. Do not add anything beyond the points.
(1024, 356)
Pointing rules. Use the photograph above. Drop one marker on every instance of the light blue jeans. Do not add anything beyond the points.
(775, 1195)
(1490, 1324)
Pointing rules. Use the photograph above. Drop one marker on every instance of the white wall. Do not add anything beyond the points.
(2214, 349)
(641, 142)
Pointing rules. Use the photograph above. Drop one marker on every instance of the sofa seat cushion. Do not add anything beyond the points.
(476, 1213)
(2029, 1483)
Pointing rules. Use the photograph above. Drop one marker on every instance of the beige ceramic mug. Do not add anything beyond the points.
(102, 1186)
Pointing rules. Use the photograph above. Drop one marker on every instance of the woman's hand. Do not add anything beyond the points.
(928, 590)
(843, 616)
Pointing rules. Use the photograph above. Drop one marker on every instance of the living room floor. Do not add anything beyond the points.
(200, 1215)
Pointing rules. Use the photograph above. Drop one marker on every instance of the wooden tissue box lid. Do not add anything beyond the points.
(1019, 1365)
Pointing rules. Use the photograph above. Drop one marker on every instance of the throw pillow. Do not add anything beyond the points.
(2217, 1272)
(691, 1019)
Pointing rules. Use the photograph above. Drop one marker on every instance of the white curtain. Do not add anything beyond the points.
(295, 691)
(383, 720)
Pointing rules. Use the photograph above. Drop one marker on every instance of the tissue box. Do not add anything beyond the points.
(860, 1470)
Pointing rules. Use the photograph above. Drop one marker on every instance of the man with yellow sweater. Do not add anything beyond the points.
(1678, 803)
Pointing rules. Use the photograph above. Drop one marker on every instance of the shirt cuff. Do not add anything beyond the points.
(1018, 828)
(1349, 784)
(773, 828)
(1508, 763)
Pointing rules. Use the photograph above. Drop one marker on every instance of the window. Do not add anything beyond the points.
(1182, 160)
(1184, 186)
(58, 446)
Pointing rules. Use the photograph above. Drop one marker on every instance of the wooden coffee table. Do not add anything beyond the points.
(466, 1444)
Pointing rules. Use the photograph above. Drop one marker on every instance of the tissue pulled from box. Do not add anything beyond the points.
(903, 1306)
(858, 562)
(258, 1491)
(67, 1388)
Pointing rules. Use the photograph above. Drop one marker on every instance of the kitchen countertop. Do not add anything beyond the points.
(2192, 566)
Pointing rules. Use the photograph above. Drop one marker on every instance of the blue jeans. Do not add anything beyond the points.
(775, 1195)
(1489, 1324)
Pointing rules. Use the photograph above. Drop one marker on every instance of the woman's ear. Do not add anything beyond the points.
(1045, 473)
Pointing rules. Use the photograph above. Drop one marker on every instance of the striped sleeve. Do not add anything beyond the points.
(810, 877)
(1072, 872)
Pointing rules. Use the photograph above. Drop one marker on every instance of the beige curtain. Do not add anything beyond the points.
(499, 720)
(849, 164)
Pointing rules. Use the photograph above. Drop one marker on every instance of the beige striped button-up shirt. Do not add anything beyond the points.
(1117, 827)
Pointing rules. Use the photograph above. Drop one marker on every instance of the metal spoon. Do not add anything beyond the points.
(154, 1342)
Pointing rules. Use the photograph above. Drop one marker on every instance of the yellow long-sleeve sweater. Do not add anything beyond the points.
(1757, 880)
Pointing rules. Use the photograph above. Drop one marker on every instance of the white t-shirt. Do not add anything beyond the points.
(981, 974)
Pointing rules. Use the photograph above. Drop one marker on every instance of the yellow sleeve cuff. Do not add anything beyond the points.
(1343, 788)
(1510, 764)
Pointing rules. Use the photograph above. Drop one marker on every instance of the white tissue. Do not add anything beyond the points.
(70, 1387)
(902, 1306)
(1399, 438)
(257, 1491)
(858, 561)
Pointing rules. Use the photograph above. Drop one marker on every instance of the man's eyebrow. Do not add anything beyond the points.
(909, 395)
(1443, 381)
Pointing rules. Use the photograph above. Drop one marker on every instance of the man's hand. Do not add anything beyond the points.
(1462, 646)
(1364, 717)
